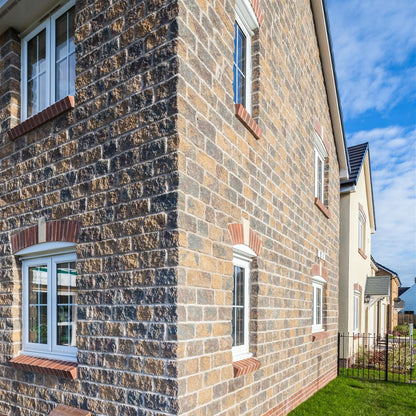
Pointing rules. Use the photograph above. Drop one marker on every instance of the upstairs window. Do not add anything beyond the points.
(361, 231)
(48, 62)
(321, 155)
(245, 24)
(319, 176)
(49, 306)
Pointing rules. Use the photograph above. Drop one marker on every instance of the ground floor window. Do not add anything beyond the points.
(49, 306)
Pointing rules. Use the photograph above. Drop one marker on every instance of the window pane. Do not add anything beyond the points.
(36, 76)
(38, 317)
(240, 56)
(43, 92)
(71, 29)
(71, 86)
(42, 51)
(238, 306)
(61, 37)
(318, 306)
(319, 178)
(65, 55)
(66, 303)
(61, 86)
(32, 57)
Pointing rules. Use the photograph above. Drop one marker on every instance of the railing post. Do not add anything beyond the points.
(339, 352)
(387, 357)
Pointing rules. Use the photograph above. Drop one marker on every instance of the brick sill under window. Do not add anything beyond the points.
(322, 207)
(362, 254)
(246, 366)
(316, 336)
(243, 115)
(49, 113)
(58, 368)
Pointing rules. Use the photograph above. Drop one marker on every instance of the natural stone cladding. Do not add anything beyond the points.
(154, 166)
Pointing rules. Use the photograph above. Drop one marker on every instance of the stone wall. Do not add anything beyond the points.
(228, 176)
(109, 164)
(154, 165)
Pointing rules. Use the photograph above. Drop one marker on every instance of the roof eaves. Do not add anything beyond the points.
(325, 47)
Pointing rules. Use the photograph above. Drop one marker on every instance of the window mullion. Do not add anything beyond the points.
(52, 58)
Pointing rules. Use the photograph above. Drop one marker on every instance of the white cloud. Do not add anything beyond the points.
(393, 165)
(373, 44)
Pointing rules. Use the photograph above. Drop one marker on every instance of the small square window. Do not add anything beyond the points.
(48, 62)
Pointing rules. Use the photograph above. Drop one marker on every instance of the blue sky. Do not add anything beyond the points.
(374, 45)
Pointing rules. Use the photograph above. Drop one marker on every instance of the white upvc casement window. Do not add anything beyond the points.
(361, 231)
(317, 302)
(242, 257)
(49, 306)
(48, 61)
(245, 25)
(320, 155)
(356, 314)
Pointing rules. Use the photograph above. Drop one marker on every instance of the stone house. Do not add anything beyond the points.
(364, 296)
(395, 304)
(169, 184)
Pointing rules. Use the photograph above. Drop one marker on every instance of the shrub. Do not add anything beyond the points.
(402, 329)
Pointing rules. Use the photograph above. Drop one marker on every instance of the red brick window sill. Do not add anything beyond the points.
(242, 114)
(246, 366)
(56, 368)
(49, 113)
(362, 254)
(316, 336)
(63, 410)
(322, 207)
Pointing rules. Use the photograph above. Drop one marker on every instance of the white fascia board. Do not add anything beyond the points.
(331, 86)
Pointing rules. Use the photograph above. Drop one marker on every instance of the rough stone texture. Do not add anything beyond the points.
(228, 175)
(155, 166)
(109, 164)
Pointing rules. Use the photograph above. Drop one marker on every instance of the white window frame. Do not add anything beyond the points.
(320, 155)
(361, 231)
(318, 283)
(49, 26)
(50, 258)
(356, 313)
(247, 21)
(242, 257)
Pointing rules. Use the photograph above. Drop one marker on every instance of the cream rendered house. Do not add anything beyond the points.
(363, 297)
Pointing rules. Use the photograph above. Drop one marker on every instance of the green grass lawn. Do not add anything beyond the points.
(349, 397)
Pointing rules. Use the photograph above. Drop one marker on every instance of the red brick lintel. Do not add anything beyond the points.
(316, 336)
(54, 110)
(242, 114)
(56, 368)
(246, 366)
(63, 410)
(322, 207)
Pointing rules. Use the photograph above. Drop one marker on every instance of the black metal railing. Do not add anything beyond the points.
(367, 356)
